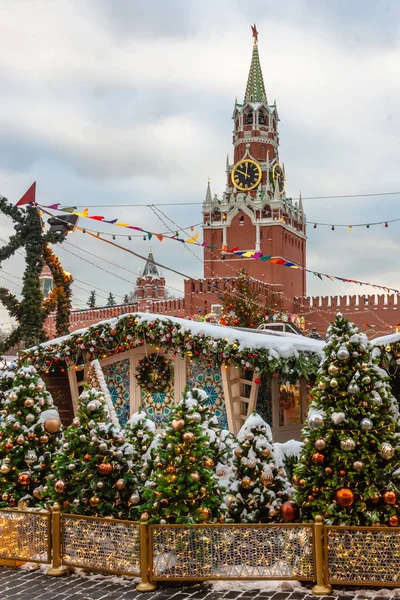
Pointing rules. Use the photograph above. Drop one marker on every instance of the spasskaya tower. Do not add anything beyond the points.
(254, 214)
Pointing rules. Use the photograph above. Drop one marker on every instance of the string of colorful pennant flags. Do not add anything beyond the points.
(224, 249)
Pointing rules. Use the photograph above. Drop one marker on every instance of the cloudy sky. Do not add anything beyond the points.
(128, 102)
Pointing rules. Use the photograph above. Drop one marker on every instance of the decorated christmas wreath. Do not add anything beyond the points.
(154, 373)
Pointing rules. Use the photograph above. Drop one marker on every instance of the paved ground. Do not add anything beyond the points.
(17, 584)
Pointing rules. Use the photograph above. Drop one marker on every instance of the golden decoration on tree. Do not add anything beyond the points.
(44, 439)
(24, 479)
(29, 402)
(318, 458)
(178, 424)
(144, 516)
(208, 462)
(394, 521)
(170, 469)
(221, 519)
(295, 479)
(246, 482)
(328, 470)
(104, 468)
(302, 483)
(188, 437)
(289, 511)
(87, 457)
(238, 452)
(266, 453)
(30, 437)
(52, 425)
(206, 513)
(389, 497)
(344, 497)
(59, 486)
(8, 446)
(195, 476)
(20, 440)
(266, 479)
(120, 484)
(94, 501)
(76, 422)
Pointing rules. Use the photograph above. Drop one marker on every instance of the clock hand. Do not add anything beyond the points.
(247, 167)
(242, 173)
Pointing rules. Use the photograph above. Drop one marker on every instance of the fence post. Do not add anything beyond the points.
(321, 588)
(56, 569)
(145, 584)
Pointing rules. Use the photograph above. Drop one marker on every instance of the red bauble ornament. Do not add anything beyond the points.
(257, 381)
(318, 458)
(389, 497)
(289, 511)
(104, 468)
(342, 473)
(328, 471)
(8, 447)
(344, 497)
(87, 457)
(394, 521)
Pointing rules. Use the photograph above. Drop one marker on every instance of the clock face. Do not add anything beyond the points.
(278, 177)
(246, 175)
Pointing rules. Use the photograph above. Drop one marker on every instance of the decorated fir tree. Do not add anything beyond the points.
(260, 487)
(93, 472)
(222, 441)
(182, 487)
(347, 471)
(139, 432)
(30, 435)
(246, 306)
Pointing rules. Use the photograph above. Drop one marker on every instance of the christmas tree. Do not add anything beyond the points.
(261, 486)
(139, 432)
(222, 441)
(347, 471)
(182, 487)
(30, 434)
(93, 472)
(245, 305)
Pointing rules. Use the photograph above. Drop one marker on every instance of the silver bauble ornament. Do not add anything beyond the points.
(82, 437)
(30, 457)
(358, 465)
(91, 406)
(353, 388)
(366, 424)
(103, 447)
(333, 369)
(315, 420)
(196, 417)
(333, 383)
(100, 484)
(251, 464)
(322, 385)
(343, 353)
(66, 446)
(30, 418)
(71, 466)
(76, 502)
(320, 444)
(118, 454)
(387, 451)
(366, 379)
(134, 499)
(4, 469)
(76, 422)
(348, 444)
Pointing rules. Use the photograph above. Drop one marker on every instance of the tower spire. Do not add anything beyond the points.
(150, 268)
(208, 199)
(255, 89)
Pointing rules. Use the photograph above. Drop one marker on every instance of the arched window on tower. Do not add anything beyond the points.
(262, 117)
(266, 213)
(241, 221)
(248, 118)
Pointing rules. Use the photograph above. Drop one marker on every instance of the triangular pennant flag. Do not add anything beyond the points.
(52, 206)
(160, 237)
(193, 239)
(97, 218)
(233, 249)
(85, 213)
(265, 258)
(68, 209)
(29, 196)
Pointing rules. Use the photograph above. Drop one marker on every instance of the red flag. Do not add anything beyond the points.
(29, 196)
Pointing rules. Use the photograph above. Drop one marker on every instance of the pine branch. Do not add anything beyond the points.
(9, 250)
(12, 340)
(11, 210)
(11, 302)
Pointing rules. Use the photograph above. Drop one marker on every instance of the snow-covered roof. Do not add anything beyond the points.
(284, 346)
(386, 340)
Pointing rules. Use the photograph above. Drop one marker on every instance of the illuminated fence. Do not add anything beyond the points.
(367, 555)
(25, 536)
(100, 544)
(231, 552)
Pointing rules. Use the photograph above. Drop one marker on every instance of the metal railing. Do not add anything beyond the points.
(301, 551)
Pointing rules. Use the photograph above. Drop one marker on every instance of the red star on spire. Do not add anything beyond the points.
(254, 32)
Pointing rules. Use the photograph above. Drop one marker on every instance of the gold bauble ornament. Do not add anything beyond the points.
(206, 513)
(104, 468)
(20, 440)
(246, 482)
(59, 486)
(177, 424)
(208, 462)
(8, 446)
(134, 498)
(266, 453)
(94, 501)
(192, 459)
(195, 476)
(295, 479)
(24, 479)
(120, 484)
(266, 479)
(238, 452)
(52, 425)
(302, 483)
(389, 497)
(29, 402)
(188, 437)
(318, 458)
(344, 497)
(44, 439)
(4, 469)
(388, 349)
(40, 387)
(170, 469)
(76, 422)
(221, 519)
(328, 470)
(144, 516)
(394, 521)
(5, 496)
